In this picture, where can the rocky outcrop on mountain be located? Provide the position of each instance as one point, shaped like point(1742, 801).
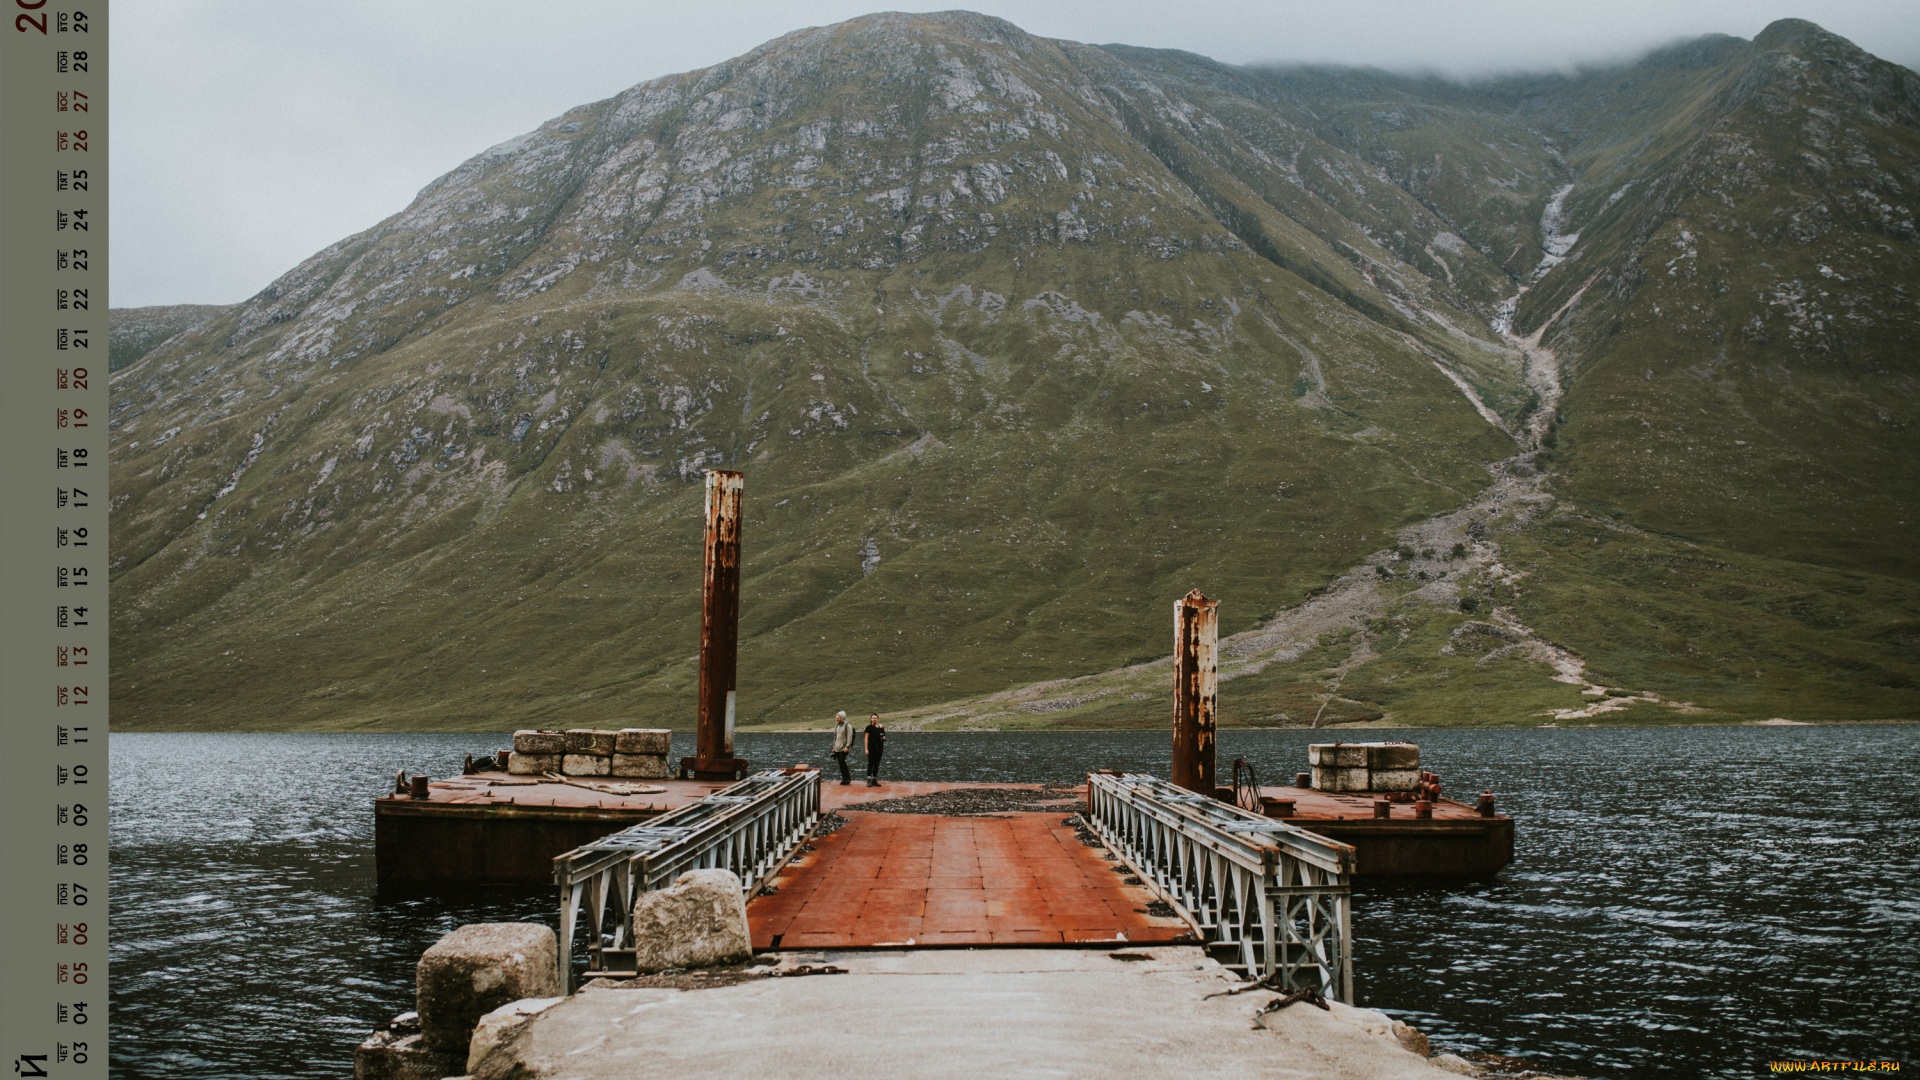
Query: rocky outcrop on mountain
point(1015, 339)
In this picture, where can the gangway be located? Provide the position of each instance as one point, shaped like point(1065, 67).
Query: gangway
point(751, 828)
point(1277, 897)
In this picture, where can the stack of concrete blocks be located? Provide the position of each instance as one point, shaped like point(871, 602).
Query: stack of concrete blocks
point(1378, 766)
point(638, 753)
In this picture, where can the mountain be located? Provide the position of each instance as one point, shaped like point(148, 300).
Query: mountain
point(1546, 399)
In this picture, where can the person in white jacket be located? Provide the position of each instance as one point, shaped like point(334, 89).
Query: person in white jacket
point(842, 744)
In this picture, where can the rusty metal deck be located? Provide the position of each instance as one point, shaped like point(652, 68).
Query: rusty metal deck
point(888, 879)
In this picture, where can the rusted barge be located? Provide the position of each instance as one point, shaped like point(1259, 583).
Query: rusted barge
point(466, 833)
point(1456, 841)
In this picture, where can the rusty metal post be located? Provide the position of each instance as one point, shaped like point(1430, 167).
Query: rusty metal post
point(719, 633)
point(1196, 630)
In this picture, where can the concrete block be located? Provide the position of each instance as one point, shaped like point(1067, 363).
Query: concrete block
point(532, 764)
point(539, 742)
point(1338, 755)
point(1337, 779)
point(475, 970)
point(502, 1024)
point(700, 920)
point(388, 1056)
point(1393, 756)
point(1394, 779)
point(635, 740)
point(586, 765)
point(590, 741)
point(641, 766)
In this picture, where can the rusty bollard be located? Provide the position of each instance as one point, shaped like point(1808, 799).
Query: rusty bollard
point(500, 759)
point(466, 767)
point(1303, 779)
point(419, 787)
point(1276, 808)
point(1382, 808)
point(1423, 809)
point(1486, 803)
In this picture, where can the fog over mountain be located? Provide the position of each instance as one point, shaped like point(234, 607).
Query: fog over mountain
point(1547, 399)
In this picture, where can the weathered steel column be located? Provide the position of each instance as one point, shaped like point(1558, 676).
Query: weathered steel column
point(719, 633)
point(1196, 630)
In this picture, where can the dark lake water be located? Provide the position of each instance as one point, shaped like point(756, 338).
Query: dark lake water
point(1684, 902)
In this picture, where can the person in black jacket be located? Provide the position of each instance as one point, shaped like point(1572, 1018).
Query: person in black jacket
point(876, 744)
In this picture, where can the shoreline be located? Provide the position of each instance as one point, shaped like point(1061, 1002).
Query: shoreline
point(1365, 725)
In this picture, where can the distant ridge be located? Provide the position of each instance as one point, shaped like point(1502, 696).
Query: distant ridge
point(134, 332)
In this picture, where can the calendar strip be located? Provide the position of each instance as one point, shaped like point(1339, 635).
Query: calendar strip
point(53, 535)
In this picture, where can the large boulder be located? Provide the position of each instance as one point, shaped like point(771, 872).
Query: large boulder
point(475, 970)
point(700, 920)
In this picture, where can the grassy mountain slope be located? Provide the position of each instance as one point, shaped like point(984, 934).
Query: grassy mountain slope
point(994, 372)
point(1017, 340)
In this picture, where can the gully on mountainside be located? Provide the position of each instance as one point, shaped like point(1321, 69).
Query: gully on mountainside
point(1354, 602)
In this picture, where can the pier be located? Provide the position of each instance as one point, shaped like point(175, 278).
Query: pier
point(718, 862)
point(1261, 873)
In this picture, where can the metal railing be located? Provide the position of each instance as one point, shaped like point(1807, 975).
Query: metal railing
point(750, 828)
point(1278, 895)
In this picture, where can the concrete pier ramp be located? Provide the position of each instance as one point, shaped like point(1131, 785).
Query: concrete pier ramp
point(1007, 1013)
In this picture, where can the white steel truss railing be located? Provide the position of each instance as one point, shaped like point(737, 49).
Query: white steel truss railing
point(750, 828)
point(1279, 896)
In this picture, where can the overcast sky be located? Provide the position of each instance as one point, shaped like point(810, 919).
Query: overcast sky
point(246, 136)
